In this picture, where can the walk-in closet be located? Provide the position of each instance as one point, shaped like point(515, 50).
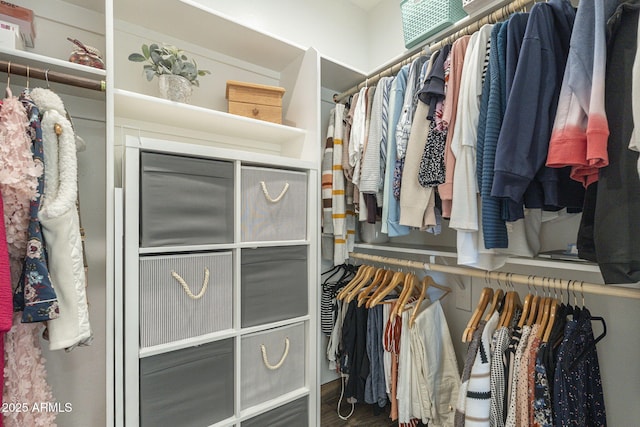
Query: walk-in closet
point(352, 212)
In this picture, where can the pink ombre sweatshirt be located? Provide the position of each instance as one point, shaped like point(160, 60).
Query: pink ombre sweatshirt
point(580, 132)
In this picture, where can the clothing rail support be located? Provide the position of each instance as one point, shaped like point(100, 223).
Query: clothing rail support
point(490, 17)
point(53, 76)
point(561, 284)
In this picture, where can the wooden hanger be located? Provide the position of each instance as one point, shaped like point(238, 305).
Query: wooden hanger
point(472, 325)
point(533, 311)
point(545, 317)
point(552, 319)
point(407, 291)
point(527, 306)
point(496, 304)
point(396, 280)
point(355, 291)
point(378, 280)
point(426, 282)
point(354, 282)
point(513, 302)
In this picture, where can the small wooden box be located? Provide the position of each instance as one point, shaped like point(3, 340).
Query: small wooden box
point(257, 101)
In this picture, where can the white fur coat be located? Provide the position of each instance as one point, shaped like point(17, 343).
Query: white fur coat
point(61, 225)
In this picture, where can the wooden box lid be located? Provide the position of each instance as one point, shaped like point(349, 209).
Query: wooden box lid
point(253, 92)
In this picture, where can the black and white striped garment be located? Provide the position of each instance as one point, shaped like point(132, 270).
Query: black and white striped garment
point(498, 382)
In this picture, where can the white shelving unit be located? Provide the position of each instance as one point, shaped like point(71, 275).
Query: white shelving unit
point(134, 353)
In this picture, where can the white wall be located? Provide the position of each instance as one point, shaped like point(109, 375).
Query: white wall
point(338, 29)
point(385, 37)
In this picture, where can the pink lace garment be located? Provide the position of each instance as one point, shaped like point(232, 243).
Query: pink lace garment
point(25, 376)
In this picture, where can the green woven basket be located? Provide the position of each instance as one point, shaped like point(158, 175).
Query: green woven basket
point(423, 18)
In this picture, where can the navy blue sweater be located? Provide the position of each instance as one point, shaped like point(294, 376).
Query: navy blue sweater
point(531, 107)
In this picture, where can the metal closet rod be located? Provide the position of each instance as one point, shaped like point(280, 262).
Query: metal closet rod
point(490, 18)
point(545, 282)
point(52, 76)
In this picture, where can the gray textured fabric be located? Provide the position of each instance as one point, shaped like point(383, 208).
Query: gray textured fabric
point(293, 414)
point(273, 284)
point(264, 216)
point(185, 201)
point(167, 313)
point(261, 383)
point(189, 387)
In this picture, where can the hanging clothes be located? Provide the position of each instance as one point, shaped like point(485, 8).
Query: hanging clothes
point(609, 228)
point(435, 368)
point(25, 376)
point(417, 72)
point(478, 398)
point(390, 206)
point(34, 295)
point(375, 391)
point(580, 131)
point(449, 112)
point(60, 225)
point(578, 398)
point(470, 358)
point(432, 169)
point(414, 198)
point(465, 212)
point(520, 174)
point(634, 141)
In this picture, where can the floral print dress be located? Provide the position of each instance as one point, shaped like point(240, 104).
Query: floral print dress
point(34, 295)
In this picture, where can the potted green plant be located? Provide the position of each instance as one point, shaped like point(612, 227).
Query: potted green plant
point(177, 74)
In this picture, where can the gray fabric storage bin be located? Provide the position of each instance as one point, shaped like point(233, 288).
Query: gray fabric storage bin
point(265, 215)
point(273, 284)
point(185, 200)
point(293, 414)
point(286, 373)
point(168, 313)
point(189, 387)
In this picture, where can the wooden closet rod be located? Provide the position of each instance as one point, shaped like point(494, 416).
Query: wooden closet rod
point(545, 282)
point(53, 76)
point(497, 15)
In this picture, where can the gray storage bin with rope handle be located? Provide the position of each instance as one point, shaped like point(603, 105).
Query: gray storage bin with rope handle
point(192, 387)
point(273, 284)
point(184, 296)
point(185, 200)
point(274, 204)
point(293, 414)
point(272, 364)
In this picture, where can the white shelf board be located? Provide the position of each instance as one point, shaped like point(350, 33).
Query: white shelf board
point(53, 64)
point(186, 343)
point(187, 248)
point(136, 106)
point(211, 29)
point(266, 326)
point(274, 243)
point(451, 253)
point(43, 62)
point(337, 76)
point(442, 251)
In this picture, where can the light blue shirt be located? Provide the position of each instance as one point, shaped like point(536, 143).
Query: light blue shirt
point(391, 206)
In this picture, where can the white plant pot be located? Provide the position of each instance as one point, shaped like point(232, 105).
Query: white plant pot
point(174, 88)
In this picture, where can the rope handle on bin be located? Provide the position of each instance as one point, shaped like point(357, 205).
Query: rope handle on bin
point(284, 355)
point(185, 286)
point(266, 192)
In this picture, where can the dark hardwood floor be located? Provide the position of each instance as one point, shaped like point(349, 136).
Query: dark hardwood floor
point(363, 414)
